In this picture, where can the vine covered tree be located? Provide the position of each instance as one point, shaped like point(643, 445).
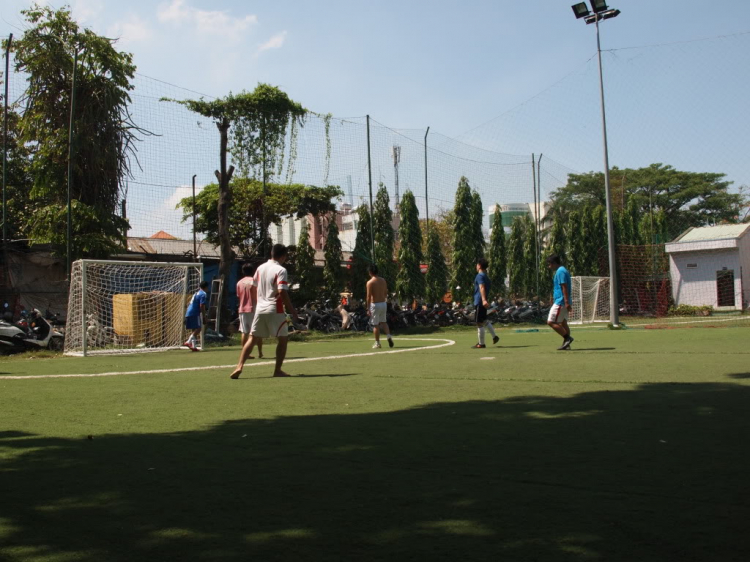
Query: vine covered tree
point(409, 281)
point(464, 244)
point(332, 272)
point(436, 279)
point(477, 218)
point(576, 249)
point(382, 223)
point(516, 272)
point(305, 265)
point(497, 254)
point(104, 133)
point(529, 267)
point(588, 242)
point(362, 257)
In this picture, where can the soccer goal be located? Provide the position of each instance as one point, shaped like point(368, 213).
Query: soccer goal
point(590, 300)
point(128, 307)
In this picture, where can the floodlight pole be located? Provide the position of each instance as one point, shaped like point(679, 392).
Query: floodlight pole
point(71, 134)
point(369, 181)
point(195, 243)
point(614, 307)
point(426, 195)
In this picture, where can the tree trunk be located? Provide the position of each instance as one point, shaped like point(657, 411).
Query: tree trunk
point(227, 255)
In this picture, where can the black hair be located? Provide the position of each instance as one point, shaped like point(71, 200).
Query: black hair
point(482, 263)
point(248, 269)
point(373, 269)
point(278, 251)
point(554, 259)
point(204, 284)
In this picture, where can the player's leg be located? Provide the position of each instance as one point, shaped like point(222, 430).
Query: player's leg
point(280, 355)
point(488, 325)
point(257, 332)
point(387, 330)
point(567, 339)
point(480, 317)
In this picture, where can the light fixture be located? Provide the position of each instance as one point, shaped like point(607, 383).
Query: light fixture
point(581, 10)
point(598, 6)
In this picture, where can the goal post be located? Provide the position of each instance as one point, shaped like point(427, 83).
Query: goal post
point(128, 307)
point(590, 300)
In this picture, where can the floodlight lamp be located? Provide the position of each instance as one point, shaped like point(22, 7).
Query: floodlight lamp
point(580, 10)
point(609, 14)
point(598, 5)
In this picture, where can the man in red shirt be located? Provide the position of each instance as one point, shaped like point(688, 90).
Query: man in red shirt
point(247, 293)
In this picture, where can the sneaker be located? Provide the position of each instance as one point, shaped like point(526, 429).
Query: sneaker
point(495, 339)
point(193, 348)
point(478, 346)
point(189, 345)
point(567, 342)
point(390, 342)
point(376, 345)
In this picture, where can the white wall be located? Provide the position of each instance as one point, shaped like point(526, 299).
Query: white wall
point(744, 247)
point(697, 287)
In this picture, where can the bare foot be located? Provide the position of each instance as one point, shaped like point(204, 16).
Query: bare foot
point(281, 374)
point(260, 356)
point(250, 357)
point(236, 374)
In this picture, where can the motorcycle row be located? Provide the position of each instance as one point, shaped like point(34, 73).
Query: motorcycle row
point(330, 317)
point(32, 331)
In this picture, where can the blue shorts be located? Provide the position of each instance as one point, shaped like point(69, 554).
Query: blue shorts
point(193, 322)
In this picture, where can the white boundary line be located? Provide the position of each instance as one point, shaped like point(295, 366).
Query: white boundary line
point(247, 365)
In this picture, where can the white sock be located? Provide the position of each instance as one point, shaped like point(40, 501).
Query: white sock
point(488, 325)
point(480, 331)
point(388, 336)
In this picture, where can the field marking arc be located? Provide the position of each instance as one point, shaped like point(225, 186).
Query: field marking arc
point(446, 343)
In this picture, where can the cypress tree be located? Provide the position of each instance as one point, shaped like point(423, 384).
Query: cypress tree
point(409, 281)
point(464, 244)
point(362, 257)
point(332, 273)
point(477, 218)
point(515, 258)
point(555, 246)
point(307, 276)
point(633, 213)
point(529, 258)
point(436, 279)
point(497, 257)
point(576, 248)
point(588, 242)
point(382, 224)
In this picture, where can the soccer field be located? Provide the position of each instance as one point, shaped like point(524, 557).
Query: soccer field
point(633, 446)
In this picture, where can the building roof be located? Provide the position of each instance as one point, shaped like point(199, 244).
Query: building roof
point(164, 236)
point(172, 247)
point(719, 232)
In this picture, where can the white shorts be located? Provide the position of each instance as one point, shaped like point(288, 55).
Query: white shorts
point(557, 313)
point(270, 325)
point(377, 313)
point(246, 322)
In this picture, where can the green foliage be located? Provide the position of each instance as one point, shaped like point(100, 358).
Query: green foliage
point(688, 310)
point(477, 217)
point(409, 281)
point(556, 245)
point(436, 278)
point(516, 272)
point(333, 275)
point(362, 257)
point(576, 249)
point(19, 207)
point(633, 214)
point(529, 266)
point(246, 210)
point(104, 133)
point(382, 223)
point(464, 244)
point(442, 224)
point(306, 273)
point(497, 258)
point(588, 242)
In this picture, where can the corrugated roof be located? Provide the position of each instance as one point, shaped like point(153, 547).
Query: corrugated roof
point(719, 232)
point(162, 246)
point(164, 236)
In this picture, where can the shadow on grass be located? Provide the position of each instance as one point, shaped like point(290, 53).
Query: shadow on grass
point(739, 376)
point(656, 473)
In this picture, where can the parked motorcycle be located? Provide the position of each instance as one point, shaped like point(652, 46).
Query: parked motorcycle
point(32, 332)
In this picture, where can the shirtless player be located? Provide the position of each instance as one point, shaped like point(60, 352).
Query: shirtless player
point(377, 292)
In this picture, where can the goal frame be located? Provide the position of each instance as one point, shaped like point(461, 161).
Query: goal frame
point(84, 265)
point(587, 314)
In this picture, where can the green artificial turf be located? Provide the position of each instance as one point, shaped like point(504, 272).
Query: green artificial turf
point(633, 446)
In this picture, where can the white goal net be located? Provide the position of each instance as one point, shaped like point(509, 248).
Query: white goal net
point(127, 307)
point(590, 300)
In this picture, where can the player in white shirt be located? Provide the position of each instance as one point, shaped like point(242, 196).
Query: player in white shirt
point(270, 321)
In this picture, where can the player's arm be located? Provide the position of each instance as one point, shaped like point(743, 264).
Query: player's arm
point(482, 291)
point(286, 299)
point(368, 300)
point(566, 297)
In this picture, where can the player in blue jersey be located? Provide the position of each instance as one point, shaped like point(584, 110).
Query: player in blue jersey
point(561, 308)
point(196, 311)
point(482, 286)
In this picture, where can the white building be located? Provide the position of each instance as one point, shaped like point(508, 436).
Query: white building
point(710, 266)
point(512, 210)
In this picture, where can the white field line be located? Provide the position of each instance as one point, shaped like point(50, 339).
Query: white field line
point(446, 343)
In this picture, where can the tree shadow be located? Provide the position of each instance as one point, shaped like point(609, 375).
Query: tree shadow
point(739, 376)
point(593, 349)
point(656, 473)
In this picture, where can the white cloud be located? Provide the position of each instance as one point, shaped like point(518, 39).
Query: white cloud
point(206, 22)
point(132, 30)
point(86, 11)
point(275, 42)
point(180, 193)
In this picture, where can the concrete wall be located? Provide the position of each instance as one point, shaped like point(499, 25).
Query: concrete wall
point(744, 247)
point(697, 287)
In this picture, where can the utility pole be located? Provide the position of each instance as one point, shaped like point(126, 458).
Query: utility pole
point(396, 155)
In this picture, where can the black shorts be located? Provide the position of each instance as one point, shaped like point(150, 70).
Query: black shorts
point(480, 314)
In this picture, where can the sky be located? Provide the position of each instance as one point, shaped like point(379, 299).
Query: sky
point(491, 78)
point(410, 64)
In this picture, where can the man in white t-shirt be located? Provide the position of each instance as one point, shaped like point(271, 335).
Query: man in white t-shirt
point(272, 286)
point(247, 293)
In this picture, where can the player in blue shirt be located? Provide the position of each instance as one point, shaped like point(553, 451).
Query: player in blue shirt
point(482, 285)
point(196, 310)
point(558, 314)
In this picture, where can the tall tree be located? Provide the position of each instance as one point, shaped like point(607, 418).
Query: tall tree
point(464, 244)
point(362, 257)
point(576, 249)
point(436, 279)
point(409, 281)
point(601, 235)
point(382, 224)
point(633, 213)
point(556, 245)
point(104, 133)
point(588, 241)
point(442, 224)
point(516, 271)
point(305, 265)
point(477, 218)
point(529, 267)
point(332, 272)
point(497, 255)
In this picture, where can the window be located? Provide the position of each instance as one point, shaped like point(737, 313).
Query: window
point(725, 287)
